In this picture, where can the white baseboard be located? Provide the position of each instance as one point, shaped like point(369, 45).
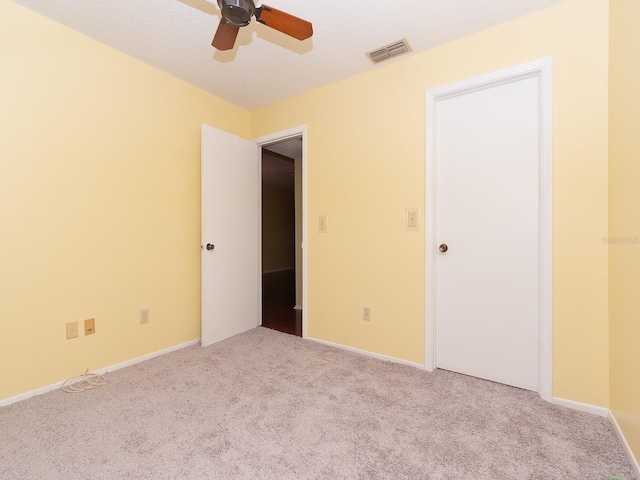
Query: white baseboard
point(625, 444)
point(117, 366)
point(583, 407)
point(603, 412)
point(367, 353)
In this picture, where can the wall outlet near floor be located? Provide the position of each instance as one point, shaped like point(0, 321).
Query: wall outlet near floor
point(144, 316)
point(366, 314)
point(72, 330)
point(90, 326)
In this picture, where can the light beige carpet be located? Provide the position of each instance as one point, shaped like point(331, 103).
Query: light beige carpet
point(266, 405)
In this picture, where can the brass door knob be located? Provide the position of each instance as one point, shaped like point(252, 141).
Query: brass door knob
point(210, 246)
point(443, 248)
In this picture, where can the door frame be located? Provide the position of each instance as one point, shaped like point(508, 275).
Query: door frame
point(276, 137)
point(542, 69)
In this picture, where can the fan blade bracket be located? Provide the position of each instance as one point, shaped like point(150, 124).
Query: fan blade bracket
point(284, 22)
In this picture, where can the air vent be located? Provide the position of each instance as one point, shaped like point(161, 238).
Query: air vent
point(391, 50)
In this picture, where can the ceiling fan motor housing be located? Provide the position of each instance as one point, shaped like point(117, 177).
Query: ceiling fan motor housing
point(237, 12)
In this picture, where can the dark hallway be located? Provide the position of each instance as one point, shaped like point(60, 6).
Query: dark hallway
point(278, 300)
point(281, 237)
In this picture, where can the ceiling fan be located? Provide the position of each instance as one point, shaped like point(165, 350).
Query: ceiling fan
point(238, 13)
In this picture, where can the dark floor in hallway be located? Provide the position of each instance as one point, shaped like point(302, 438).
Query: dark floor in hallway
point(278, 300)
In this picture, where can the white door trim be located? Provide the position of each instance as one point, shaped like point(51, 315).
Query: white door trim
point(542, 69)
point(284, 135)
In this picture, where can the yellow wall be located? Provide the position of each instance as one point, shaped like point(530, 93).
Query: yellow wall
point(624, 218)
point(99, 201)
point(99, 196)
point(366, 153)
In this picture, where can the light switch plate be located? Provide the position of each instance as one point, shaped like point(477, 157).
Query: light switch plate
point(412, 219)
point(322, 223)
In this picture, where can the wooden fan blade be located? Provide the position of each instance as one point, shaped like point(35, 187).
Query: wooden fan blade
point(225, 37)
point(283, 22)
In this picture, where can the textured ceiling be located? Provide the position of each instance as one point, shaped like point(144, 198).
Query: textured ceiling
point(291, 148)
point(267, 66)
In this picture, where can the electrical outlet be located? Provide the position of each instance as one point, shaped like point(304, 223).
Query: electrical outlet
point(72, 330)
point(90, 326)
point(366, 314)
point(144, 316)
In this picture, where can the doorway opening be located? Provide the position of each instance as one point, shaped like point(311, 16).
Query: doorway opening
point(282, 236)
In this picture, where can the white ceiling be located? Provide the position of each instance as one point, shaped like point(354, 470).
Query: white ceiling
point(267, 66)
point(291, 148)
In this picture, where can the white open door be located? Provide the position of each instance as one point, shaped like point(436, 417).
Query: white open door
point(230, 226)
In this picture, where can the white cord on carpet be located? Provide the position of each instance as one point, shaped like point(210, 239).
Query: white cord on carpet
point(86, 381)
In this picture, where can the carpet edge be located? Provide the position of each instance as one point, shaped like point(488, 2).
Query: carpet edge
point(625, 444)
point(367, 353)
point(39, 391)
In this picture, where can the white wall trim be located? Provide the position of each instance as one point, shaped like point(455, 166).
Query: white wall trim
point(102, 371)
point(367, 353)
point(542, 69)
point(583, 407)
point(283, 135)
point(625, 444)
point(602, 412)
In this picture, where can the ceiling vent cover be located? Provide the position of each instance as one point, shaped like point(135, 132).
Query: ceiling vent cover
point(389, 51)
